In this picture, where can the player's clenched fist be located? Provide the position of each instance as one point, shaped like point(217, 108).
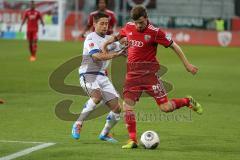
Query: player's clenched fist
point(191, 68)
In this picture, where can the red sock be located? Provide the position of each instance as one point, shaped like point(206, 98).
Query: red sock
point(31, 48)
point(130, 122)
point(34, 49)
point(180, 102)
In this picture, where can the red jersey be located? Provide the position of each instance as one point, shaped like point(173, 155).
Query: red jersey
point(143, 45)
point(112, 20)
point(32, 19)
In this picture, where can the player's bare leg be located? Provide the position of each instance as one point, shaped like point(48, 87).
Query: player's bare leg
point(178, 103)
point(130, 120)
point(31, 49)
point(112, 119)
point(33, 46)
point(89, 106)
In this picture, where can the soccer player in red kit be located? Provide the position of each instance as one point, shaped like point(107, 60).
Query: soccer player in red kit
point(102, 7)
point(142, 67)
point(32, 16)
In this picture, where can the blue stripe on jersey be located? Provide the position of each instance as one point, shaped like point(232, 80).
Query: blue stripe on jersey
point(94, 51)
point(95, 73)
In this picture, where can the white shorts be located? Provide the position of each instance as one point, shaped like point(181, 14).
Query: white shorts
point(90, 82)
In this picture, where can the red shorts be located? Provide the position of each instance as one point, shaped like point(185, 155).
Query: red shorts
point(32, 35)
point(150, 83)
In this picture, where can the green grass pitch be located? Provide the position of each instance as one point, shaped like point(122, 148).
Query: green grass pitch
point(28, 114)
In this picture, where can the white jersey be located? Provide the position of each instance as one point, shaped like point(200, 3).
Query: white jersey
point(93, 44)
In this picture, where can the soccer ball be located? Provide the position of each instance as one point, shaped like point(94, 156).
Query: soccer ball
point(150, 140)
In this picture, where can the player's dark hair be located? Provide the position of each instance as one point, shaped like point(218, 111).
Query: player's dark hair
point(138, 11)
point(100, 15)
point(97, 2)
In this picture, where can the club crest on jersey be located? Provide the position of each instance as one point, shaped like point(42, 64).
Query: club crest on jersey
point(147, 37)
point(91, 45)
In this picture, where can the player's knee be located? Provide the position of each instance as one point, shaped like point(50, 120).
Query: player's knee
point(128, 104)
point(127, 107)
point(96, 96)
point(97, 100)
point(165, 108)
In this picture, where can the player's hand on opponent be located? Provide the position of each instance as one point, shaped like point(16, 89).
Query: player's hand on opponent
point(191, 68)
point(123, 51)
point(124, 43)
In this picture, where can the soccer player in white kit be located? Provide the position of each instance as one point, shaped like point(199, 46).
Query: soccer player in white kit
point(93, 78)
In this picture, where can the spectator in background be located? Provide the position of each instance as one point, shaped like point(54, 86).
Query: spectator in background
point(55, 17)
point(102, 7)
point(47, 18)
point(220, 26)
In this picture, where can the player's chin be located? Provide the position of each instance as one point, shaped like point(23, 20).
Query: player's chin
point(104, 31)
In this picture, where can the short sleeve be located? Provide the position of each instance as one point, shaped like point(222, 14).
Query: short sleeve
point(122, 32)
point(163, 39)
point(92, 47)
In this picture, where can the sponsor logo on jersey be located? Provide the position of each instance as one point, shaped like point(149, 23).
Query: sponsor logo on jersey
point(130, 34)
point(32, 17)
point(136, 43)
point(91, 45)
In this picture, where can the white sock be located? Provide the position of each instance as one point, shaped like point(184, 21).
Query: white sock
point(87, 109)
point(111, 121)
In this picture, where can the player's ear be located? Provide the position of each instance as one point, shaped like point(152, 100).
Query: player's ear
point(146, 18)
point(94, 23)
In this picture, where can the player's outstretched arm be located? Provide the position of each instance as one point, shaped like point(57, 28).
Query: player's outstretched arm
point(104, 57)
point(100, 56)
point(112, 39)
point(189, 67)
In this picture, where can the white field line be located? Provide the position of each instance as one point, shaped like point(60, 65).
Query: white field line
point(5, 141)
point(25, 151)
